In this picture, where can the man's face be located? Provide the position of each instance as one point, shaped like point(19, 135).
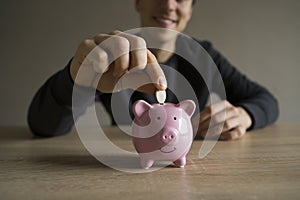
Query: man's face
point(171, 14)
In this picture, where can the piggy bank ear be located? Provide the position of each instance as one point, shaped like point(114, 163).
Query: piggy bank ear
point(189, 106)
point(140, 107)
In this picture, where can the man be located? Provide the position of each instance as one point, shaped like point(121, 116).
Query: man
point(249, 105)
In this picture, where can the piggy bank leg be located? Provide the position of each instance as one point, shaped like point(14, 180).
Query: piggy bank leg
point(145, 163)
point(180, 162)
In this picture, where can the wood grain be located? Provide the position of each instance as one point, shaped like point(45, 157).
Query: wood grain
point(263, 165)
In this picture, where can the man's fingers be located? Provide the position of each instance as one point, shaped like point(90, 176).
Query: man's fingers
point(231, 124)
point(121, 65)
point(138, 50)
point(219, 118)
point(129, 55)
point(222, 127)
point(213, 132)
point(81, 63)
point(234, 134)
point(226, 117)
point(98, 39)
point(136, 81)
point(127, 51)
point(117, 49)
point(84, 48)
point(99, 59)
point(138, 59)
point(155, 72)
point(224, 120)
point(218, 132)
point(213, 109)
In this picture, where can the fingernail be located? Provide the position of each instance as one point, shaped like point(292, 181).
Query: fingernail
point(162, 82)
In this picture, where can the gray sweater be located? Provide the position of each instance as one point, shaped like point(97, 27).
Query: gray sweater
point(50, 112)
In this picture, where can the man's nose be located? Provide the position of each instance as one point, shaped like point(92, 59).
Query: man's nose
point(169, 5)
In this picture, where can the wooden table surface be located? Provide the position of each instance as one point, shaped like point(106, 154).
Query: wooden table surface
point(265, 164)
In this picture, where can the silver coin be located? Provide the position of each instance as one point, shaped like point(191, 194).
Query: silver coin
point(161, 96)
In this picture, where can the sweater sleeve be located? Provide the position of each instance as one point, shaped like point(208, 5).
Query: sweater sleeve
point(260, 104)
point(50, 112)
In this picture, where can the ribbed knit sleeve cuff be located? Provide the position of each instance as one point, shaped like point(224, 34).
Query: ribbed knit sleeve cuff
point(256, 113)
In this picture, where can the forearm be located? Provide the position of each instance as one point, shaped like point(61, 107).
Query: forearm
point(262, 108)
point(50, 112)
point(258, 102)
point(45, 116)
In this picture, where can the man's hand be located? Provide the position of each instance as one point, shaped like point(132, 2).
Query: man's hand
point(224, 119)
point(122, 60)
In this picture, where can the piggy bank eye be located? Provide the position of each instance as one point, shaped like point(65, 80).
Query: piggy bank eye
point(175, 118)
point(158, 118)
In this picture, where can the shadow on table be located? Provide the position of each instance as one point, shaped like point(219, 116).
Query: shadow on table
point(129, 164)
point(15, 133)
point(69, 161)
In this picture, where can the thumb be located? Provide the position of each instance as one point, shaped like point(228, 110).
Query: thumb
point(155, 72)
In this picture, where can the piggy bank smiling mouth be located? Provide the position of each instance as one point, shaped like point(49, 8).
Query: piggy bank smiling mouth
point(167, 149)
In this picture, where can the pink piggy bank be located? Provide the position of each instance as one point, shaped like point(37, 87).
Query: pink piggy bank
point(162, 132)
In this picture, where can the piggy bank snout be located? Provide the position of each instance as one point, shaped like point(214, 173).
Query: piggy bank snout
point(169, 135)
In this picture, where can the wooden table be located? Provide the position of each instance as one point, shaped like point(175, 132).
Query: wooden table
point(265, 164)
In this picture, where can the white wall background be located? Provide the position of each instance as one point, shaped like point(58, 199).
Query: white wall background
point(37, 38)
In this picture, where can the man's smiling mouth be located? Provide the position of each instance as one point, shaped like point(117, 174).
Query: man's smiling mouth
point(165, 22)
